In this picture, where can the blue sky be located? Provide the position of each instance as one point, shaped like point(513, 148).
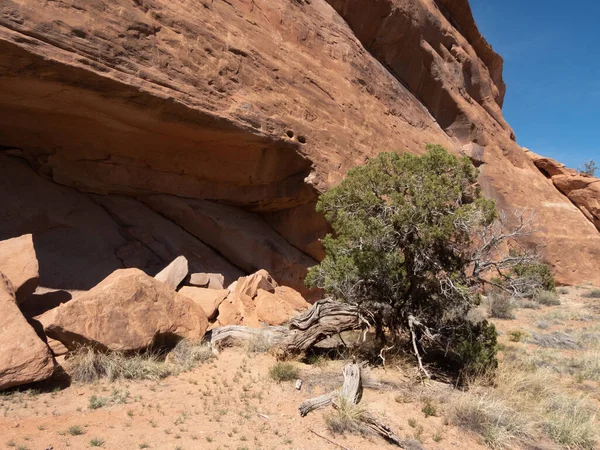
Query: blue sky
point(551, 53)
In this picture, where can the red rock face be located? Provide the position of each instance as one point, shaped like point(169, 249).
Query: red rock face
point(262, 104)
point(582, 190)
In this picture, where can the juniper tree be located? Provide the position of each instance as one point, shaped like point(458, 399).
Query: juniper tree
point(401, 247)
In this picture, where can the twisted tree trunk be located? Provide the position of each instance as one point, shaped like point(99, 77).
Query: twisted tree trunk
point(325, 318)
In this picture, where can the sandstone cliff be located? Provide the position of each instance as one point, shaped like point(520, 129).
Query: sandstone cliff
point(256, 104)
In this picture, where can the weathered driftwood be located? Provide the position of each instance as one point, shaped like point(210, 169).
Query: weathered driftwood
point(232, 334)
point(326, 318)
point(351, 393)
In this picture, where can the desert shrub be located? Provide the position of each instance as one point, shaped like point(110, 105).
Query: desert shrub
point(284, 371)
point(563, 290)
point(528, 304)
point(258, 344)
point(594, 293)
point(517, 335)
point(501, 305)
point(475, 349)
point(533, 277)
point(402, 244)
point(547, 298)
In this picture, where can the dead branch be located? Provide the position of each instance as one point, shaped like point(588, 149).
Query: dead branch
point(232, 334)
point(328, 440)
point(351, 393)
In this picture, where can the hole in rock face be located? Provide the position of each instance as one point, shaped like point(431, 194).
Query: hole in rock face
point(302, 139)
point(289, 133)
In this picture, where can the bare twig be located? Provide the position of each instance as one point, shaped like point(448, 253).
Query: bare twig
point(328, 440)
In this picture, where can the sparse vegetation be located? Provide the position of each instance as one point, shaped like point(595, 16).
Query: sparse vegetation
point(188, 354)
point(284, 371)
point(501, 305)
point(88, 365)
point(97, 442)
point(547, 298)
point(594, 293)
point(76, 430)
point(517, 335)
point(589, 168)
point(345, 418)
point(524, 405)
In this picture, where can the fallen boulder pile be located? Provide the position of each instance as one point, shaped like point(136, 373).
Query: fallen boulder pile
point(129, 311)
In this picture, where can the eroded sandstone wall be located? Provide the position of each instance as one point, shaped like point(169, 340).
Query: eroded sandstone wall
point(262, 104)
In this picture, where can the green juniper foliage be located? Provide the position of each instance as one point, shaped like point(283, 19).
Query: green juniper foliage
point(403, 226)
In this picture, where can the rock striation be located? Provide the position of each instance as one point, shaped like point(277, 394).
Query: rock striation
point(257, 105)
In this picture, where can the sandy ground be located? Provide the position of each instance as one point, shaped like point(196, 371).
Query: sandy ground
point(232, 403)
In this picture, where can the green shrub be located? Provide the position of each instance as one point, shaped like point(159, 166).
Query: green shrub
point(476, 349)
point(517, 335)
point(284, 371)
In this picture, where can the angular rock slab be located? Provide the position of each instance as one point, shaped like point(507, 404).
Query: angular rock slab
point(127, 311)
point(174, 273)
point(24, 358)
point(257, 299)
point(20, 265)
point(207, 280)
point(208, 299)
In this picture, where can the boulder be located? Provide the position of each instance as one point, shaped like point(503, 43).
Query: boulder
point(257, 300)
point(174, 273)
point(207, 280)
point(252, 283)
point(24, 357)
point(19, 263)
point(208, 299)
point(127, 311)
point(279, 307)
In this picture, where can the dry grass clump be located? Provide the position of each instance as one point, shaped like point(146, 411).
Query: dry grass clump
point(284, 371)
point(526, 404)
point(188, 354)
point(346, 418)
point(258, 344)
point(88, 365)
